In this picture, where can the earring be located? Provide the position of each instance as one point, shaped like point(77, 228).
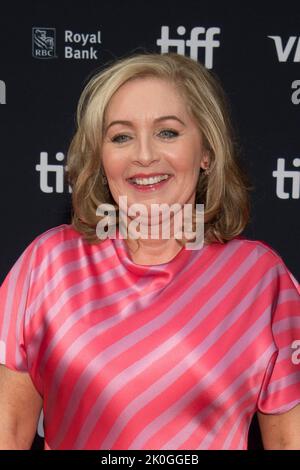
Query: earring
point(103, 176)
point(207, 171)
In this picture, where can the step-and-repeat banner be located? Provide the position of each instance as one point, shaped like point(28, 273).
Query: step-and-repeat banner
point(48, 50)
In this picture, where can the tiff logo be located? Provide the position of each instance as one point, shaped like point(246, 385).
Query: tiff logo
point(44, 168)
point(281, 174)
point(207, 42)
point(284, 51)
point(2, 92)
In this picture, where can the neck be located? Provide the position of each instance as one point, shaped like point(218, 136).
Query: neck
point(153, 250)
point(150, 250)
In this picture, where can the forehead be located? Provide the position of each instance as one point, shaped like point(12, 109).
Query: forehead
point(147, 94)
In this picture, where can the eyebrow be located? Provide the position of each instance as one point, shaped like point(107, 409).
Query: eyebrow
point(129, 123)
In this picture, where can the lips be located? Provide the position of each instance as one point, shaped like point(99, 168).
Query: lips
point(149, 180)
point(155, 183)
point(147, 175)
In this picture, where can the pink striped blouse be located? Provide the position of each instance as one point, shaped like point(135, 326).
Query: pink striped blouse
point(172, 356)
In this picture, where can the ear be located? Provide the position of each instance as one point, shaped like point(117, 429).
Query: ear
point(205, 159)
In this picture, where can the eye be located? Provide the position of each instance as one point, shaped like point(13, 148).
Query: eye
point(168, 134)
point(120, 138)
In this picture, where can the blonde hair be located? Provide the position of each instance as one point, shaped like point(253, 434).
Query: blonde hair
point(224, 192)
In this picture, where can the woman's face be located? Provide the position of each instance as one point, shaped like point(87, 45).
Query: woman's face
point(148, 132)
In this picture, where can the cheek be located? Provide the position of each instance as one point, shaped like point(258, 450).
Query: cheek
point(113, 165)
point(186, 157)
point(186, 162)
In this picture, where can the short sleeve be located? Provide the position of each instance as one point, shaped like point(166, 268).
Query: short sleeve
point(280, 390)
point(14, 293)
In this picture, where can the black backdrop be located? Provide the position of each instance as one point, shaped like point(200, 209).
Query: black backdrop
point(49, 49)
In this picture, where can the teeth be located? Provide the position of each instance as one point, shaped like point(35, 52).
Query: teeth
point(151, 180)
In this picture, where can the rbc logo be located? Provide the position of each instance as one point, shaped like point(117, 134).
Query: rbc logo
point(43, 43)
point(207, 42)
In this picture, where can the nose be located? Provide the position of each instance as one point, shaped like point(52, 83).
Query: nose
point(145, 151)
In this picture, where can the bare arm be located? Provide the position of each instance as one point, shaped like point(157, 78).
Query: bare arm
point(281, 432)
point(20, 407)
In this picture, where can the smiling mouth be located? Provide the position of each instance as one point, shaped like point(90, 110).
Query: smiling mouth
point(149, 180)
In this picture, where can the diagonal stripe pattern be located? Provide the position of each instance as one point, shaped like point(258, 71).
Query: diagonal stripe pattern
point(173, 356)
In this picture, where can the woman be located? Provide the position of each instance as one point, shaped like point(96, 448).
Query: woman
point(146, 344)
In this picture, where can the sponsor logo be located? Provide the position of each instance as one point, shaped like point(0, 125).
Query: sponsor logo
point(291, 49)
point(296, 94)
point(282, 175)
point(2, 92)
point(200, 38)
point(46, 169)
point(43, 43)
point(77, 45)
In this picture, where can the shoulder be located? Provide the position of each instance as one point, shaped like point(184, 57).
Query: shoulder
point(256, 247)
point(46, 244)
point(56, 235)
point(267, 257)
